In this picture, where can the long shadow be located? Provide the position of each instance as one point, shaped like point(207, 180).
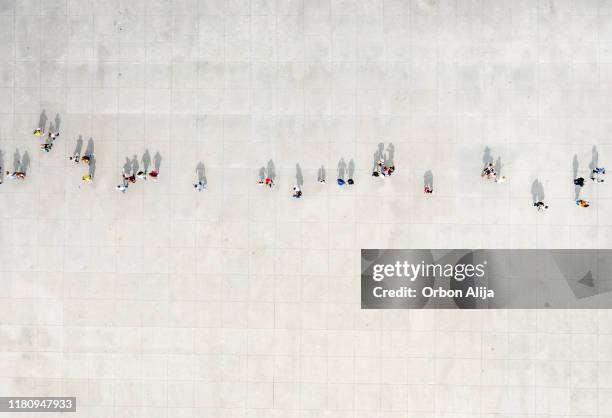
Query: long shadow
point(92, 166)
point(487, 157)
point(428, 179)
point(135, 164)
point(42, 120)
point(378, 154)
point(157, 161)
point(90, 147)
point(262, 173)
point(391, 154)
point(498, 166)
point(146, 161)
point(51, 127)
point(127, 166)
point(594, 158)
point(16, 160)
point(351, 168)
point(58, 122)
point(341, 168)
point(79, 146)
point(271, 170)
point(537, 191)
point(201, 172)
point(299, 177)
point(321, 175)
point(25, 162)
point(575, 166)
point(1, 166)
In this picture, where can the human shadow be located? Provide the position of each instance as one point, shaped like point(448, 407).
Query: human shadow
point(157, 161)
point(42, 120)
point(51, 127)
point(58, 122)
point(1, 166)
point(428, 179)
point(92, 166)
point(391, 154)
point(16, 160)
point(487, 157)
point(262, 173)
point(146, 161)
point(90, 147)
point(79, 146)
point(537, 191)
point(201, 172)
point(351, 169)
point(341, 168)
point(594, 158)
point(575, 166)
point(127, 166)
point(25, 163)
point(498, 166)
point(135, 164)
point(299, 177)
point(321, 175)
point(378, 155)
point(271, 170)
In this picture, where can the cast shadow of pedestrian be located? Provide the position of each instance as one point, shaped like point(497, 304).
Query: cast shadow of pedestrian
point(351, 169)
point(1, 166)
point(498, 166)
point(79, 146)
point(58, 122)
point(135, 165)
point(146, 161)
point(321, 175)
point(487, 157)
point(299, 177)
point(594, 158)
point(271, 170)
point(157, 160)
point(537, 191)
point(201, 172)
point(16, 160)
point(25, 163)
point(90, 147)
point(378, 155)
point(390, 154)
point(127, 166)
point(42, 120)
point(92, 167)
point(428, 179)
point(341, 168)
point(262, 174)
point(575, 166)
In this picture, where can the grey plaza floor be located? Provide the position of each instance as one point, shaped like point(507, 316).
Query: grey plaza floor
point(243, 302)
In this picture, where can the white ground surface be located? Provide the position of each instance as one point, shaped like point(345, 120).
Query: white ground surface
point(242, 302)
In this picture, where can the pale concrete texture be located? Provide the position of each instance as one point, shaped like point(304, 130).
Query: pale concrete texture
point(243, 302)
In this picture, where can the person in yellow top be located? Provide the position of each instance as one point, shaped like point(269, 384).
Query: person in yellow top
point(38, 132)
point(88, 177)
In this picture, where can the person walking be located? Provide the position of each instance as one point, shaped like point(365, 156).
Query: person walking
point(46, 147)
point(154, 174)
point(76, 158)
point(579, 181)
point(200, 186)
point(582, 203)
point(87, 178)
point(540, 206)
point(427, 189)
point(142, 175)
point(297, 192)
point(38, 132)
point(122, 187)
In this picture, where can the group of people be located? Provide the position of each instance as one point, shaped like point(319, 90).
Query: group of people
point(595, 178)
point(131, 178)
point(489, 172)
point(51, 137)
point(85, 159)
point(382, 170)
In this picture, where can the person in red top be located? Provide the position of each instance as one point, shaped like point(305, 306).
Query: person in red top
point(154, 175)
